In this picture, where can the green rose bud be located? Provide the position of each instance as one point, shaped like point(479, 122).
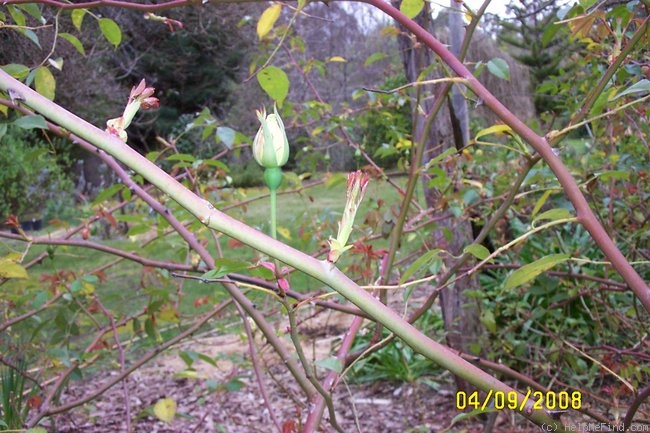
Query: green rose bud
point(270, 147)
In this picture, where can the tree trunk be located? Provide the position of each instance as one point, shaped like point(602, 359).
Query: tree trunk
point(451, 130)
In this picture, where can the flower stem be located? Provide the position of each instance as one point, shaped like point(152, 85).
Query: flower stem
point(274, 221)
point(273, 179)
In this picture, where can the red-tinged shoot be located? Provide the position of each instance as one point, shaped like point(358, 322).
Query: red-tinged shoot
point(141, 97)
point(356, 188)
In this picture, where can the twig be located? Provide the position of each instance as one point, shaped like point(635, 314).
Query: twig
point(309, 370)
point(7, 323)
point(452, 80)
point(316, 412)
point(629, 416)
point(112, 382)
point(122, 360)
point(611, 70)
point(104, 3)
point(584, 213)
point(256, 367)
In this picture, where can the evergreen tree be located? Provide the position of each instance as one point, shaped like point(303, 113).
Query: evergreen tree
point(535, 41)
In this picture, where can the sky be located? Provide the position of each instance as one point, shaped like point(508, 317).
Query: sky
point(497, 7)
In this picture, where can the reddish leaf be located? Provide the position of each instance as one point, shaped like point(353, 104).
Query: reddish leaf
point(283, 285)
point(12, 220)
point(234, 243)
point(34, 402)
point(268, 265)
point(200, 301)
point(289, 426)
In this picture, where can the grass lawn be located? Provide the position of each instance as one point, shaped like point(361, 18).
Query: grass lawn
point(305, 220)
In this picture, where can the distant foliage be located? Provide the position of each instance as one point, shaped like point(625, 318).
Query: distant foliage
point(31, 179)
point(535, 40)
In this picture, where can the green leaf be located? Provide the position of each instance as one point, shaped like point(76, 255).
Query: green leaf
point(207, 359)
point(335, 179)
point(216, 163)
point(186, 157)
point(374, 57)
point(411, 8)
point(268, 19)
point(614, 174)
point(151, 331)
point(532, 270)
point(487, 319)
point(32, 9)
point(15, 70)
point(275, 83)
point(33, 121)
point(111, 31)
point(44, 82)
point(12, 270)
point(139, 229)
point(331, 363)
point(494, 129)
point(17, 15)
point(227, 136)
point(549, 33)
point(78, 17)
point(31, 36)
point(74, 41)
point(262, 272)
point(553, 214)
point(478, 251)
point(423, 261)
point(224, 267)
point(638, 87)
point(540, 202)
point(108, 193)
point(440, 157)
point(499, 68)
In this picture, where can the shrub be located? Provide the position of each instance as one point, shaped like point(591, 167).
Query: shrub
point(31, 179)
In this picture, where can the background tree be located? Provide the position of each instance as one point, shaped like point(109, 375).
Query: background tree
point(534, 38)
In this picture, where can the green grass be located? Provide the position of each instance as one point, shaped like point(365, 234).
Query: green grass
point(307, 219)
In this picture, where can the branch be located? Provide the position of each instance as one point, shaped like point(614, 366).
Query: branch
point(629, 416)
point(256, 367)
point(189, 237)
point(45, 240)
point(596, 91)
point(105, 3)
point(139, 363)
point(321, 270)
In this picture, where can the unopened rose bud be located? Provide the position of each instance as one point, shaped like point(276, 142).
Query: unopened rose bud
point(270, 147)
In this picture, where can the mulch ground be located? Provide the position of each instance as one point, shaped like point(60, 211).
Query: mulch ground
point(378, 407)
